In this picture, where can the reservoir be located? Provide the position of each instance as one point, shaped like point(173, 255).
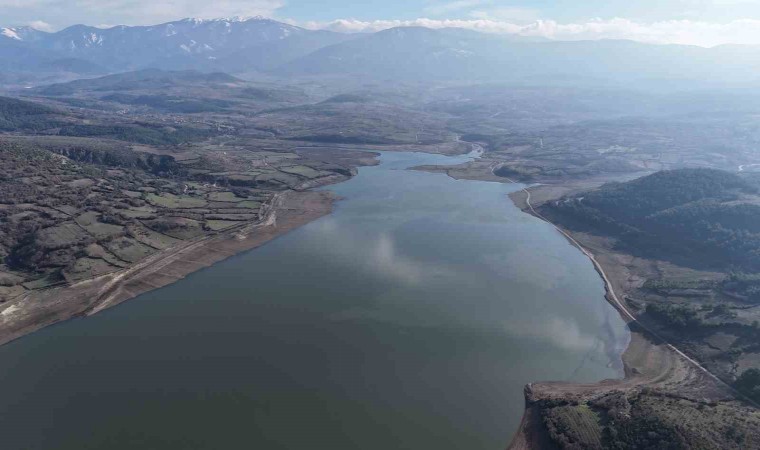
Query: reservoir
point(409, 318)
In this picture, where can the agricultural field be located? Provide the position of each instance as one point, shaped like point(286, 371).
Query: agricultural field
point(99, 175)
point(78, 207)
point(105, 175)
point(67, 221)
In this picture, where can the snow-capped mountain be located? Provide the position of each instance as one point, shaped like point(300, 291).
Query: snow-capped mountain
point(26, 34)
point(187, 43)
point(238, 45)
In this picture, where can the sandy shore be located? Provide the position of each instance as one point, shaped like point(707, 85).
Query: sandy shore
point(39, 309)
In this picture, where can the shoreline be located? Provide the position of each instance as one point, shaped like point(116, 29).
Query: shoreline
point(38, 309)
point(649, 361)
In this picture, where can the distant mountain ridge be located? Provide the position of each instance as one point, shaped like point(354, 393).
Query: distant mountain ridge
point(182, 44)
point(257, 44)
point(417, 53)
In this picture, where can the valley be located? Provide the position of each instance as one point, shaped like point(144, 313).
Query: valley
point(373, 161)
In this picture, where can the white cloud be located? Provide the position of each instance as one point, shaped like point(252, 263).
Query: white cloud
point(355, 26)
point(40, 25)
point(746, 31)
point(687, 32)
point(480, 15)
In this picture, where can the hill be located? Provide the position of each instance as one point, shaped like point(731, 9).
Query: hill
point(699, 217)
point(242, 43)
point(22, 115)
point(141, 79)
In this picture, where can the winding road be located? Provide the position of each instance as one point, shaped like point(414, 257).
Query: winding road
point(612, 296)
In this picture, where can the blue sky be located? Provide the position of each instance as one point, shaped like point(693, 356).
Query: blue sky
point(699, 22)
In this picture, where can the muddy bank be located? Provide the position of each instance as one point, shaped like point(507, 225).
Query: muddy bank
point(650, 363)
point(655, 372)
point(39, 309)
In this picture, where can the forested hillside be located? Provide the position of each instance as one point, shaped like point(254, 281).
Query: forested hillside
point(21, 115)
point(708, 217)
point(696, 233)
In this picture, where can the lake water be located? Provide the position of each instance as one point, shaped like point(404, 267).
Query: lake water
point(410, 318)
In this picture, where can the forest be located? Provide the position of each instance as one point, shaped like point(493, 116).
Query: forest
point(707, 217)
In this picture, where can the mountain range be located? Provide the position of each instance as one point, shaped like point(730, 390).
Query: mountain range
point(233, 44)
point(240, 45)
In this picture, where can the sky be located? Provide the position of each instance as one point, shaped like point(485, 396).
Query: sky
point(696, 22)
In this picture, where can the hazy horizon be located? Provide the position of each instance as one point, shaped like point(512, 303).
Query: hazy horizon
point(689, 22)
point(379, 225)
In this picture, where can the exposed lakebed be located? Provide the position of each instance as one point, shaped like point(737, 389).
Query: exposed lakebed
point(411, 317)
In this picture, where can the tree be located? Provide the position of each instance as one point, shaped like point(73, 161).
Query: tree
point(749, 383)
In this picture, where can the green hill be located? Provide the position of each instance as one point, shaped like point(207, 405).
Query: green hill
point(22, 115)
point(702, 217)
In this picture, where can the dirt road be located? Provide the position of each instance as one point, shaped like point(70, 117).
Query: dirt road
point(649, 360)
point(38, 309)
